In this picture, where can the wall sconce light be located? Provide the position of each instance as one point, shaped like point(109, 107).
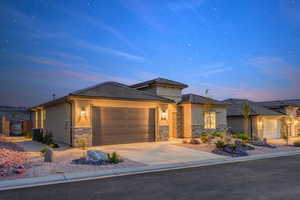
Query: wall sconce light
point(82, 112)
point(163, 115)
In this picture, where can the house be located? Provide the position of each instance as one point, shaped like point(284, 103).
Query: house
point(114, 113)
point(14, 120)
point(267, 120)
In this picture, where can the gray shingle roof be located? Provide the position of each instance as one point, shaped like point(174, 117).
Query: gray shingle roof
point(114, 90)
point(160, 81)
point(236, 108)
point(280, 103)
point(197, 99)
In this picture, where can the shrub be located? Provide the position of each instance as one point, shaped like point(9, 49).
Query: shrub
point(28, 135)
point(204, 138)
point(48, 139)
point(297, 144)
point(37, 135)
point(242, 136)
point(43, 150)
point(54, 145)
point(113, 158)
point(220, 144)
point(217, 134)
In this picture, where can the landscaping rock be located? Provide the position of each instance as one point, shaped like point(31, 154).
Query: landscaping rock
point(49, 155)
point(84, 161)
point(96, 155)
point(262, 144)
point(238, 151)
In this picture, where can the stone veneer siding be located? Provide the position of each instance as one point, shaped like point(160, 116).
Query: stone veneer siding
point(163, 133)
point(80, 134)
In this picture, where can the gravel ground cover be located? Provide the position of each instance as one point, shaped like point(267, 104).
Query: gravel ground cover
point(36, 167)
point(257, 151)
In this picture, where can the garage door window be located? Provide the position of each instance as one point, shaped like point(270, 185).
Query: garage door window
point(210, 120)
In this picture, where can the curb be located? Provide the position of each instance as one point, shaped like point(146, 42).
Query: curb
point(75, 177)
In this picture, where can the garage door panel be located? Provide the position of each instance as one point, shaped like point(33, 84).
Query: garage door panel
point(123, 125)
point(271, 128)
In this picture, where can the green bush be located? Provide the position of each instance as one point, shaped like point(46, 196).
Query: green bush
point(297, 144)
point(217, 134)
point(113, 158)
point(28, 135)
point(43, 150)
point(242, 136)
point(220, 144)
point(204, 138)
point(48, 139)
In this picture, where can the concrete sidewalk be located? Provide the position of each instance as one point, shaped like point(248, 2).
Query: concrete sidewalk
point(73, 177)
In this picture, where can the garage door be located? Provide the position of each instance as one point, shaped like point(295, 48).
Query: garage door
point(271, 129)
point(123, 125)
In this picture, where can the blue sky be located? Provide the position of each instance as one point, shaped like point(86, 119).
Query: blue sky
point(240, 48)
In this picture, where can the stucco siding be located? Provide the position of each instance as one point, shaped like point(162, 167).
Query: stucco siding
point(57, 122)
point(168, 92)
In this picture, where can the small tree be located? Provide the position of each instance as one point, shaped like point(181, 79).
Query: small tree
point(207, 107)
point(285, 129)
point(246, 114)
point(83, 146)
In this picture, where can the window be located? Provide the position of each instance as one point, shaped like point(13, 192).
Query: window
point(210, 120)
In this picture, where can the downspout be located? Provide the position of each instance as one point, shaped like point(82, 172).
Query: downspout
point(71, 122)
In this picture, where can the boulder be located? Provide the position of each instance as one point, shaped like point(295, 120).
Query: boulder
point(49, 155)
point(96, 155)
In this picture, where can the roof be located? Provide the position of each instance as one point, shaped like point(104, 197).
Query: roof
point(197, 99)
point(114, 90)
point(110, 90)
point(235, 108)
point(159, 81)
point(280, 103)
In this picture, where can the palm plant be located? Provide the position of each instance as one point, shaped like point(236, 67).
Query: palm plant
point(246, 114)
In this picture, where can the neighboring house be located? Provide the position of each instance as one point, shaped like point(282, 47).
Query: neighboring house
point(267, 120)
point(14, 120)
point(114, 113)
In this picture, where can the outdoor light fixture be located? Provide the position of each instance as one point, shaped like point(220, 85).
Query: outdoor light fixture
point(163, 115)
point(82, 112)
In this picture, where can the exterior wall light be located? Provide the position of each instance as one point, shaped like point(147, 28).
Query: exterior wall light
point(82, 113)
point(163, 115)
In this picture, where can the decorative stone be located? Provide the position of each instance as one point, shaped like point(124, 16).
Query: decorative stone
point(262, 144)
point(49, 155)
point(96, 155)
point(163, 133)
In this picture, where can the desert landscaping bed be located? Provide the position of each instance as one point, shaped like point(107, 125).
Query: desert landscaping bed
point(62, 163)
point(257, 151)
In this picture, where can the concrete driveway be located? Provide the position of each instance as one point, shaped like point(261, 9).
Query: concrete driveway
point(159, 153)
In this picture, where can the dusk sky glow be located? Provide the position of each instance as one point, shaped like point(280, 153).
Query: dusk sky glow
point(236, 49)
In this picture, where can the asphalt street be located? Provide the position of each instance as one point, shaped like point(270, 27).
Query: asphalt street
point(276, 178)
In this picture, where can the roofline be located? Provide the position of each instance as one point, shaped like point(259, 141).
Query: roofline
point(66, 98)
point(128, 99)
point(151, 82)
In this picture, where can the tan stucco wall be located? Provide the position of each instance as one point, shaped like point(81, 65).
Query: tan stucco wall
point(198, 115)
point(58, 122)
point(187, 121)
point(169, 92)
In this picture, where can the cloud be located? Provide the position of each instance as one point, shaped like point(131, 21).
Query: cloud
point(97, 49)
point(68, 56)
point(49, 61)
point(214, 68)
point(101, 25)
